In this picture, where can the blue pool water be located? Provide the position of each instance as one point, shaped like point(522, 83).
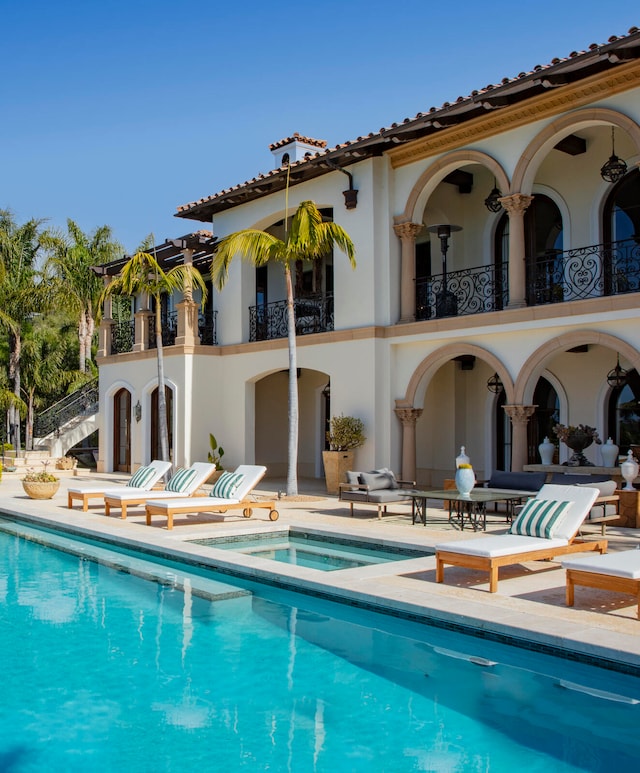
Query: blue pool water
point(103, 669)
point(310, 550)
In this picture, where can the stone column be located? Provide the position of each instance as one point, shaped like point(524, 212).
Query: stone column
point(408, 418)
point(407, 233)
point(516, 205)
point(143, 321)
point(104, 329)
point(187, 333)
point(519, 415)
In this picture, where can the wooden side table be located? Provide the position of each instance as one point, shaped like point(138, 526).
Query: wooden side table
point(629, 508)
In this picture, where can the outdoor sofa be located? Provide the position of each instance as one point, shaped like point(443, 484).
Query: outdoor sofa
point(379, 488)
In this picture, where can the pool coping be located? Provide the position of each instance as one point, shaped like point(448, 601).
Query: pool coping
point(389, 588)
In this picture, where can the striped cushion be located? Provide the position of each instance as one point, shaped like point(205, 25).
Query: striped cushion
point(181, 480)
point(141, 477)
point(540, 518)
point(227, 485)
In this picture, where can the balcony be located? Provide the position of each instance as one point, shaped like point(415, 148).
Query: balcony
point(314, 314)
point(122, 336)
point(207, 328)
point(587, 272)
point(470, 291)
point(555, 277)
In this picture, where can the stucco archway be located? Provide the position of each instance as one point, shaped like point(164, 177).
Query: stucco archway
point(431, 177)
point(535, 364)
point(530, 159)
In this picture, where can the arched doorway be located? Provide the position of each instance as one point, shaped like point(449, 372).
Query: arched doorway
point(546, 416)
point(156, 450)
point(543, 250)
point(621, 229)
point(122, 431)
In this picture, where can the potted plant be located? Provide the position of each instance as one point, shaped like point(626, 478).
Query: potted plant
point(40, 485)
point(345, 434)
point(215, 456)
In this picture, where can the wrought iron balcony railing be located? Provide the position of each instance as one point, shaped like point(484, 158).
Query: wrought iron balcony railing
point(586, 272)
point(314, 314)
point(82, 402)
point(207, 328)
point(469, 291)
point(122, 336)
point(169, 330)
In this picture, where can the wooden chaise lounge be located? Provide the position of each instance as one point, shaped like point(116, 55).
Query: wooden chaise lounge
point(618, 572)
point(224, 497)
point(490, 553)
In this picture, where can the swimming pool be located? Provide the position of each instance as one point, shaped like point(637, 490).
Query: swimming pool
point(106, 669)
point(324, 552)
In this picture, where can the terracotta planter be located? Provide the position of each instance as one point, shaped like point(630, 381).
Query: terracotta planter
point(214, 476)
point(38, 490)
point(336, 463)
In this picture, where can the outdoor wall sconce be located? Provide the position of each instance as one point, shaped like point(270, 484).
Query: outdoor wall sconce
point(615, 168)
point(137, 411)
point(618, 376)
point(492, 202)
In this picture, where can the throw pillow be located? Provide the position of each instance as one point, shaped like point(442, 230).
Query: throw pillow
point(227, 485)
point(353, 478)
point(181, 480)
point(375, 480)
point(540, 518)
point(141, 477)
point(607, 488)
point(393, 483)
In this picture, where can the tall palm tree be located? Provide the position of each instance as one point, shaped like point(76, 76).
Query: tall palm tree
point(73, 257)
point(23, 293)
point(308, 238)
point(142, 274)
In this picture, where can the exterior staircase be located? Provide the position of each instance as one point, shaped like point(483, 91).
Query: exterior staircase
point(67, 422)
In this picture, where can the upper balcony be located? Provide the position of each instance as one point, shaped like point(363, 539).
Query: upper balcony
point(555, 277)
point(313, 314)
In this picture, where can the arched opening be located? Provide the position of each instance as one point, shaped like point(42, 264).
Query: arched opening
point(122, 430)
point(272, 422)
point(546, 416)
point(543, 250)
point(621, 228)
point(156, 450)
point(624, 413)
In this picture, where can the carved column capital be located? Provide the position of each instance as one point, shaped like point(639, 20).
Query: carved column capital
point(408, 416)
point(516, 203)
point(520, 414)
point(408, 230)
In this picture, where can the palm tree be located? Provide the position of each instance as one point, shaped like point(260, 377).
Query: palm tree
point(308, 238)
point(23, 293)
point(142, 274)
point(73, 259)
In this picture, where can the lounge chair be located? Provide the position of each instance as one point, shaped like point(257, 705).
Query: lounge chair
point(183, 483)
point(143, 479)
point(618, 572)
point(230, 492)
point(555, 526)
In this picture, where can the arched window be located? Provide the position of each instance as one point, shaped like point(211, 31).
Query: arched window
point(624, 413)
point(546, 416)
point(621, 229)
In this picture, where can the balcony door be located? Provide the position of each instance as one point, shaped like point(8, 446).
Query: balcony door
point(543, 248)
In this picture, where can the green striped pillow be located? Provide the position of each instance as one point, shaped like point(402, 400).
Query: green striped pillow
point(227, 485)
point(141, 477)
point(181, 480)
point(540, 518)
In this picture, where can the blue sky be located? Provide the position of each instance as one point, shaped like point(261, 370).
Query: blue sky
point(118, 112)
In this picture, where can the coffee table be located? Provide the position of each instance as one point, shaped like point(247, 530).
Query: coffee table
point(468, 509)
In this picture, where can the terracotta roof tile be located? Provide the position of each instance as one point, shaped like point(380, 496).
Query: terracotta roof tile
point(295, 137)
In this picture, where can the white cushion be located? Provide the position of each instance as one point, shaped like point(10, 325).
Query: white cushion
point(607, 488)
point(500, 545)
point(582, 498)
point(623, 564)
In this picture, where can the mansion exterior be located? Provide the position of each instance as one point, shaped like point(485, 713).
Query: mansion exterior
point(496, 292)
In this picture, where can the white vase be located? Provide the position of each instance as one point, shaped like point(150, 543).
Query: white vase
point(462, 458)
point(465, 481)
point(629, 469)
point(546, 450)
point(609, 451)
